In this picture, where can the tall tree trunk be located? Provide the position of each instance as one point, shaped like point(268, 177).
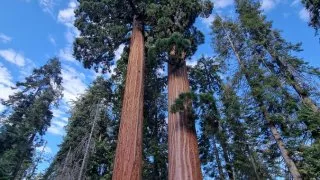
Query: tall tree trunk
point(253, 162)
point(293, 80)
point(18, 171)
point(224, 147)
point(284, 153)
point(128, 158)
point(86, 153)
point(184, 161)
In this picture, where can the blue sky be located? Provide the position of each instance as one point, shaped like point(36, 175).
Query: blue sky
point(32, 31)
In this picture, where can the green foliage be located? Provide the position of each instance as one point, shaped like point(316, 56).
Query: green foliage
point(28, 118)
point(155, 151)
point(68, 160)
point(313, 6)
point(174, 36)
point(310, 168)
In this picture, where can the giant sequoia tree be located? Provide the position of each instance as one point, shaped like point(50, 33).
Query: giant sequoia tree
point(104, 27)
point(28, 118)
point(176, 40)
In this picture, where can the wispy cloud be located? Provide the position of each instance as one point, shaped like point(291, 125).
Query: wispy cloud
point(5, 84)
point(73, 83)
point(269, 4)
point(295, 3)
point(222, 3)
point(208, 21)
point(45, 149)
point(304, 15)
point(52, 40)
point(4, 38)
point(13, 57)
point(47, 5)
point(67, 17)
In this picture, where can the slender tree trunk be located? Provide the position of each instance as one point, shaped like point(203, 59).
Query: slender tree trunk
point(284, 152)
point(63, 172)
point(216, 154)
point(253, 163)
point(86, 153)
point(184, 161)
point(18, 171)
point(288, 160)
point(293, 80)
point(128, 158)
point(226, 154)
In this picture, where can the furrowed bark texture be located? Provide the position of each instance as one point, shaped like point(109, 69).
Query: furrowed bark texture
point(128, 159)
point(184, 162)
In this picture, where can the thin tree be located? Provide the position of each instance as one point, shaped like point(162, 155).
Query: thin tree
point(235, 48)
point(28, 119)
point(262, 33)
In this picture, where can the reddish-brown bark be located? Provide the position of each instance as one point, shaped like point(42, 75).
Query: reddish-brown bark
point(184, 162)
point(128, 159)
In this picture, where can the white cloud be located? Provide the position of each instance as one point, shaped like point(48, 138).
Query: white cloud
point(45, 149)
point(222, 3)
point(52, 40)
point(56, 130)
point(295, 3)
point(57, 127)
point(208, 21)
point(47, 5)
point(12, 56)
point(119, 52)
point(73, 83)
point(4, 38)
point(66, 54)
point(5, 85)
point(269, 4)
point(57, 113)
point(304, 15)
point(67, 16)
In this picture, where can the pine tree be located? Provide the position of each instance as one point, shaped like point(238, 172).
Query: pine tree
point(223, 125)
point(91, 154)
point(259, 81)
point(291, 67)
point(28, 118)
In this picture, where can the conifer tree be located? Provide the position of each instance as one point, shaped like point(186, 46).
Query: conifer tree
point(261, 32)
point(259, 81)
point(104, 27)
point(29, 116)
point(176, 40)
point(91, 154)
point(155, 128)
point(226, 129)
point(313, 7)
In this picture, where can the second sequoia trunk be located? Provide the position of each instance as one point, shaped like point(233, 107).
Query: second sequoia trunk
point(128, 160)
point(184, 162)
